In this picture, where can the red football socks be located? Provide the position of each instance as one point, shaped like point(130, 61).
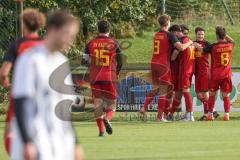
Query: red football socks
point(188, 101)
point(161, 105)
point(227, 104)
point(205, 107)
point(150, 96)
point(211, 103)
point(175, 106)
point(109, 114)
point(100, 124)
point(167, 106)
point(7, 141)
point(168, 103)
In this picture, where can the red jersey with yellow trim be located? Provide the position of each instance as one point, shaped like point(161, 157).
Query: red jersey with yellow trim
point(19, 47)
point(221, 59)
point(187, 58)
point(103, 64)
point(16, 49)
point(202, 59)
point(163, 45)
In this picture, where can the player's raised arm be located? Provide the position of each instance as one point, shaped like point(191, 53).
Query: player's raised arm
point(207, 49)
point(182, 47)
point(229, 39)
point(174, 55)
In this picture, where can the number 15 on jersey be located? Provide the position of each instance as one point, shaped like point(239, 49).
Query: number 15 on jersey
point(102, 59)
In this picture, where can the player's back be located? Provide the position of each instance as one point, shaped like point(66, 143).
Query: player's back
point(221, 59)
point(27, 42)
point(19, 46)
point(162, 48)
point(16, 49)
point(103, 63)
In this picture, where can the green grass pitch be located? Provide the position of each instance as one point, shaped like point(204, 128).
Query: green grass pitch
point(136, 140)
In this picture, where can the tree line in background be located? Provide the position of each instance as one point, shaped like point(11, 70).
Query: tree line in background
point(126, 16)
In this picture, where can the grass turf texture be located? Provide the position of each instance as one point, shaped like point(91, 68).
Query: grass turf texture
point(135, 140)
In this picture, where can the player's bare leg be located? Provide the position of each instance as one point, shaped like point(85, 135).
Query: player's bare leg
point(110, 111)
point(227, 105)
point(189, 105)
point(98, 113)
point(79, 104)
point(176, 103)
point(88, 100)
point(203, 97)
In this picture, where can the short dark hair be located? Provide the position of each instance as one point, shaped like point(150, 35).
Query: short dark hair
point(164, 19)
point(58, 18)
point(33, 19)
point(199, 29)
point(175, 28)
point(221, 32)
point(104, 26)
point(184, 27)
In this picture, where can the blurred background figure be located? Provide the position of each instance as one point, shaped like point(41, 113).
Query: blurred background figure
point(38, 133)
point(33, 21)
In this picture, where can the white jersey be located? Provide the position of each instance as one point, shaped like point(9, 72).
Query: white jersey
point(53, 138)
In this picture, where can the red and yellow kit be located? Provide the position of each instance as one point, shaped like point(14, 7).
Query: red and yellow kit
point(160, 62)
point(221, 60)
point(186, 66)
point(17, 48)
point(202, 70)
point(103, 51)
point(175, 69)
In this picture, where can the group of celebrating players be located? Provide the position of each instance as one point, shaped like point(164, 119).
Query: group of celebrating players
point(174, 61)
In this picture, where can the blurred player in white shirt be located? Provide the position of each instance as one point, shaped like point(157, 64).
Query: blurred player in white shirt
point(38, 133)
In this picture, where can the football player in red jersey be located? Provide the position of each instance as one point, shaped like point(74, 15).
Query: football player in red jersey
point(186, 70)
point(105, 58)
point(221, 74)
point(182, 66)
point(185, 31)
point(175, 62)
point(164, 42)
point(33, 21)
point(202, 72)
